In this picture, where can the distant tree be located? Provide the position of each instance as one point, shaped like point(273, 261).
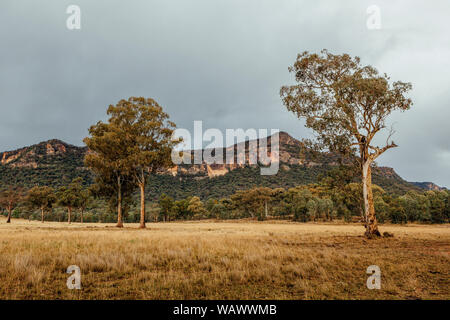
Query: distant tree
point(218, 210)
point(346, 104)
point(9, 199)
point(70, 196)
point(181, 208)
point(196, 208)
point(353, 199)
point(210, 203)
point(154, 211)
point(277, 202)
point(66, 199)
point(437, 200)
point(167, 206)
point(335, 182)
point(397, 212)
point(417, 206)
point(84, 199)
point(223, 208)
point(338, 177)
point(423, 208)
point(447, 205)
point(312, 208)
point(41, 198)
point(381, 208)
point(255, 201)
point(108, 158)
point(240, 203)
point(325, 208)
point(295, 202)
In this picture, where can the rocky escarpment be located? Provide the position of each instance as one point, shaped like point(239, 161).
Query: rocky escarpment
point(51, 162)
point(56, 163)
point(290, 152)
point(428, 186)
point(19, 158)
point(37, 155)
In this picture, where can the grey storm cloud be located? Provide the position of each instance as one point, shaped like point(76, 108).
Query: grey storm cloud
point(220, 61)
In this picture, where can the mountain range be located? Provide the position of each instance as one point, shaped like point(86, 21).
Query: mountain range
point(56, 163)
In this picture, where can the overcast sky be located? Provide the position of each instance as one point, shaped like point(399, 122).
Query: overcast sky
point(220, 61)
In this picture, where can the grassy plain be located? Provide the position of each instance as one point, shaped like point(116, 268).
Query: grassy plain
point(222, 260)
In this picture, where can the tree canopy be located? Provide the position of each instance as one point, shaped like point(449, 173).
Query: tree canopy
point(346, 105)
point(135, 142)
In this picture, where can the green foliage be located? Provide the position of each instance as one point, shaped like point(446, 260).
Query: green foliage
point(34, 166)
point(70, 196)
point(134, 142)
point(196, 208)
point(313, 202)
point(181, 209)
point(42, 198)
point(438, 206)
point(346, 105)
point(167, 206)
point(255, 202)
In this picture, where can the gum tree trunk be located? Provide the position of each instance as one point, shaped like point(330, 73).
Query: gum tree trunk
point(9, 215)
point(265, 209)
point(81, 215)
point(42, 215)
point(119, 205)
point(142, 188)
point(369, 209)
point(69, 210)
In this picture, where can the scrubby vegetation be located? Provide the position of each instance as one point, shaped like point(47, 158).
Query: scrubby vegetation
point(313, 202)
point(35, 166)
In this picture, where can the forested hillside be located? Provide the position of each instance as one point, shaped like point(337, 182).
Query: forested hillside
point(56, 163)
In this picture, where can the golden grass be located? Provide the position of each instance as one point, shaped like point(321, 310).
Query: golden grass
point(221, 260)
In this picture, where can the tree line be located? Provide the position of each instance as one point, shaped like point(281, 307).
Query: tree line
point(75, 196)
point(313, 202)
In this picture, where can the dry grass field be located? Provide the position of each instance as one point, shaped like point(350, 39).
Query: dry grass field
point(222, 260)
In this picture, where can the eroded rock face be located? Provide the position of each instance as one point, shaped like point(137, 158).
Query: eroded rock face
point(9, 157)
point(50, 149)
point(173, 171)
point(55, 148)
point(29, 157)
point(55, 155)
point(291, 152)
point(19, 158)
point(216, 170)
point(288, 153)
point(202, 171)
point(429, 186)
point(22, 163)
